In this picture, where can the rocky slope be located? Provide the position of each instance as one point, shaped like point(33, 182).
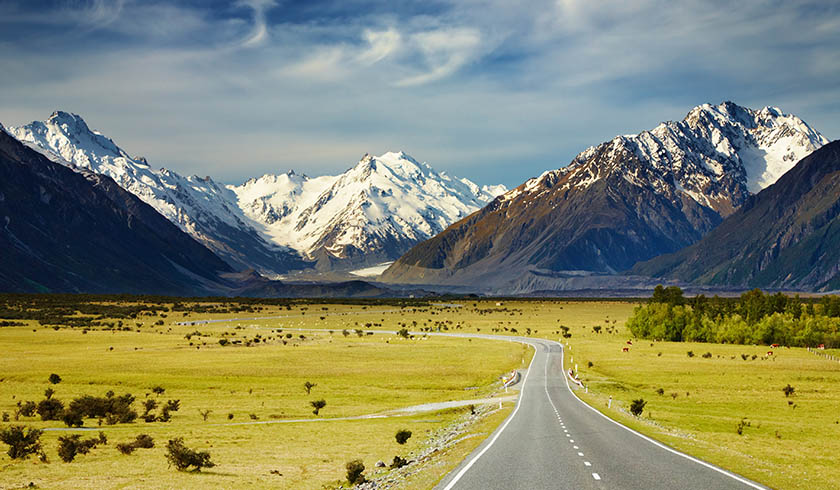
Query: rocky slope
point(78, 231)
point(623, 201)
point(279, 223)
point(787, 236)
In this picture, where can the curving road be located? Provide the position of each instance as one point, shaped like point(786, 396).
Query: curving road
point(554, 440)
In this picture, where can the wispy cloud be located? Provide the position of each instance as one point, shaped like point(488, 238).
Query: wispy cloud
point(259, 34)
point(238, 88)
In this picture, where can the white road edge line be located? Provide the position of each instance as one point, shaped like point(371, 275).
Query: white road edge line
point(653, 441)
point(463, 471)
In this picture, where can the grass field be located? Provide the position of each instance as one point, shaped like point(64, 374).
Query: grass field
point(785, 442)
point(262, 383)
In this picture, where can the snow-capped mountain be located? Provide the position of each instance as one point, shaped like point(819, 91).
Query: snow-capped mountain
point(628, 199)
point(279, 223)
point(199, 206)
point(372, 213)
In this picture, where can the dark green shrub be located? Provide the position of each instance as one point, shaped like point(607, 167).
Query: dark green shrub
point(318, 405)
point(26, 409)
point(402, 436)
point(308, 386)
point(22, 441)
point(788, 390)
point(50, 409)
point(72, 418)
point(183, 457)
point(355, 472)
point(398, 462)
point(637, 406)
point(72, 445)
point(54, 379)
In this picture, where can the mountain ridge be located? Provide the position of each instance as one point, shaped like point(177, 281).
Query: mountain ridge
point(626, 200)
point(245, 229)
point(787, 236)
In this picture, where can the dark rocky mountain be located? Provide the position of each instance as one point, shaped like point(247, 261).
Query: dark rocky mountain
point(787, 236)
point(76, 231)
point(627, 200)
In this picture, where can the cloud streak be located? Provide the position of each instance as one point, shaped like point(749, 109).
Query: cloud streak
point(481, 88)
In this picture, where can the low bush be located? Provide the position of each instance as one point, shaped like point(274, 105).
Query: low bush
point(355, 472)
point(183, 457)
point(402, 436)
point(637, 406)
point(22, 441)
point(72, 445)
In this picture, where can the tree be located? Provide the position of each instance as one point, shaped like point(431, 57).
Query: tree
point(318, 405)
point(55, 379)
point(183, 457)
point(205, 414)
point(22, 441)
point(402, 436)
point(355, 470)
point(637, 406)
point(308, 386)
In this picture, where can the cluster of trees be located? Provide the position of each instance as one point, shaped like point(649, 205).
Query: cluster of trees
point(754, 318)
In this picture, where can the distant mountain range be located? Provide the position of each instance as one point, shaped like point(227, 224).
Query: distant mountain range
point(626, 200)
point(275, 224)
point(716, 200)
point(785, 237)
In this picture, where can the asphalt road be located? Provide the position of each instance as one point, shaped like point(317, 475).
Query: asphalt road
point(553, 440)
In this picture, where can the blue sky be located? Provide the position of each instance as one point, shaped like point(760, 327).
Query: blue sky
point(495, 91)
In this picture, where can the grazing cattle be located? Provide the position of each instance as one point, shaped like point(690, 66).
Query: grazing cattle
point(769, 352)
point(629, 342)
point(774, 345)
point(626, 349)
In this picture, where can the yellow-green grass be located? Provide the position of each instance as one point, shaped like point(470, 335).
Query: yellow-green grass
point(786, 442)
point(721, 390)
point(355, 375)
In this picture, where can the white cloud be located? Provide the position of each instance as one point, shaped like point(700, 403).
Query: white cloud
point(444, 51)
point(259, 34)
point(381, 44)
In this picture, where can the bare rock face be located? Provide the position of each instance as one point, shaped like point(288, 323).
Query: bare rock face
point(787, 236)
point(626, 200)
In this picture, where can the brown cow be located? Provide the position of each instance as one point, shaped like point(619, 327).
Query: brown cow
point(626, 349)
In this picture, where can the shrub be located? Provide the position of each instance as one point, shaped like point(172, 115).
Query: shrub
point(398, 462)
point(318, 405)
point(22, 441)
point(660, 391)
point(27, 409)
point(403, 436)
point(403, 332)
point(158, 390)
point(637, 406)
point(355, 472)
point(72, 418)
point(707, 355)
point(739, 429)
point(143, 441)
point(183, 457)
point(50, 409)
point(788, 390)
point(308, 386)
point(745, 356)
point(126, 447)
point(54, 379)
point(690, 353)
point(205, 414)
point(70, 446)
